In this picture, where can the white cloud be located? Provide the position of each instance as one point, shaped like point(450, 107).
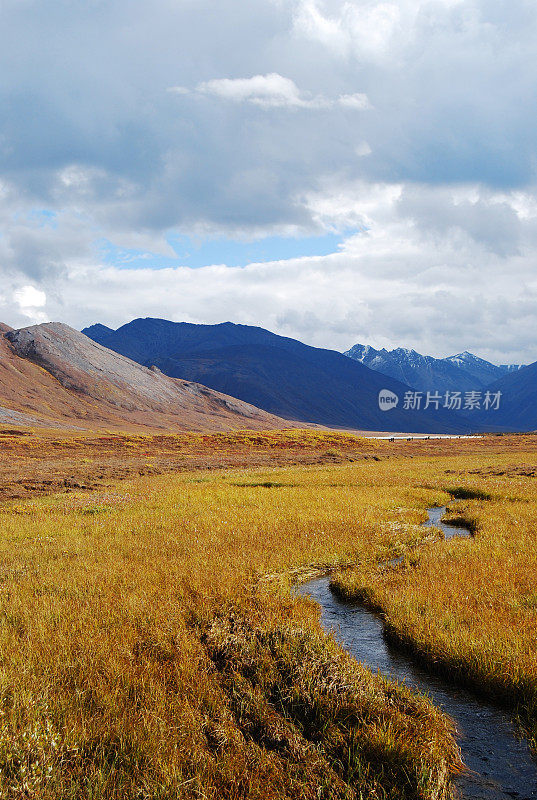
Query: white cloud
point(357, 100)
point(273, 135)
point(431, 269)
point(365, 29)
point(309, 21)
point(272, 91)
point(30, 301)
point(363, 149)
point(30, 297)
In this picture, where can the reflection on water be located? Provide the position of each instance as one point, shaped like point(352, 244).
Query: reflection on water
point(499, 759)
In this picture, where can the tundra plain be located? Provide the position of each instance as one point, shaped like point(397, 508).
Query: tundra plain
point(150, 643)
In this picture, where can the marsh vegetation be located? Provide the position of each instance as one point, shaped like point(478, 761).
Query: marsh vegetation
point(151, 647)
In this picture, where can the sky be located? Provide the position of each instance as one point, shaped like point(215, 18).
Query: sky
point(338, 171)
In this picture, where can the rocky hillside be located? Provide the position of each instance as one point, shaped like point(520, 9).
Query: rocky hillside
point(53, 375)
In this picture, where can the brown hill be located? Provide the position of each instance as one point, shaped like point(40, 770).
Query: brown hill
point(52, 375)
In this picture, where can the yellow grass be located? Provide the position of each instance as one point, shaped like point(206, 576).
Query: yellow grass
point(469, 606)
point(145, 654)
point(284, 437)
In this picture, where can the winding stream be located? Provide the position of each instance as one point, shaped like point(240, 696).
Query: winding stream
point(498, 758)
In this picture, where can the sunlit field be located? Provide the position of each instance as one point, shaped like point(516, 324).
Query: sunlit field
point(469, 606)
point(152, 648)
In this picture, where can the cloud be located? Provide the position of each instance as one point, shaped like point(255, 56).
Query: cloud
point(268, 91)
point(30, 302)
point(409, 123)
point(272, 91)
point(357, 100)
point(363, 149)
point(369, 30)
point(451, 85)
point(366, 29)
point(438, 281)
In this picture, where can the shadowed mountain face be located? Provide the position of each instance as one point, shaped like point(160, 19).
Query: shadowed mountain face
point(51, 374)
point(518, 403)
point(279, 374)
point(423, 373)
point(463, 372)
point(479, 369)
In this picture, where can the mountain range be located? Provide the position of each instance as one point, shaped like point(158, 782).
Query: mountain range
point(518, 408)
point(516, 385)
point(462, 372)
point(156, 374)
point(280, 375)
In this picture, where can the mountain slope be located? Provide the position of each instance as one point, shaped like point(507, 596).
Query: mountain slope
point(423, 373)
point(281, 375)
point(463, 372)
point(51, 374)
point(98, 332)
point(477, 368)
point(518, 402)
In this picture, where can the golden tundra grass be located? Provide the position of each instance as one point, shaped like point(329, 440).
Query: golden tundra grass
point(468, 607)
point(145, 654)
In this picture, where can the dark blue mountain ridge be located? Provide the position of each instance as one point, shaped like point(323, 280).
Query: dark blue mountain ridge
point(518, 401)
point(462, 372)
point(276, 373)
point(98, 332)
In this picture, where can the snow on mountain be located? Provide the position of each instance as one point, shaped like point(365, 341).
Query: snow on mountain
point(481, 370)
point(461, 372)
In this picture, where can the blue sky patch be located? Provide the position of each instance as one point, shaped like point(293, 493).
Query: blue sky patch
point(43, 217)
point(195, 253)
